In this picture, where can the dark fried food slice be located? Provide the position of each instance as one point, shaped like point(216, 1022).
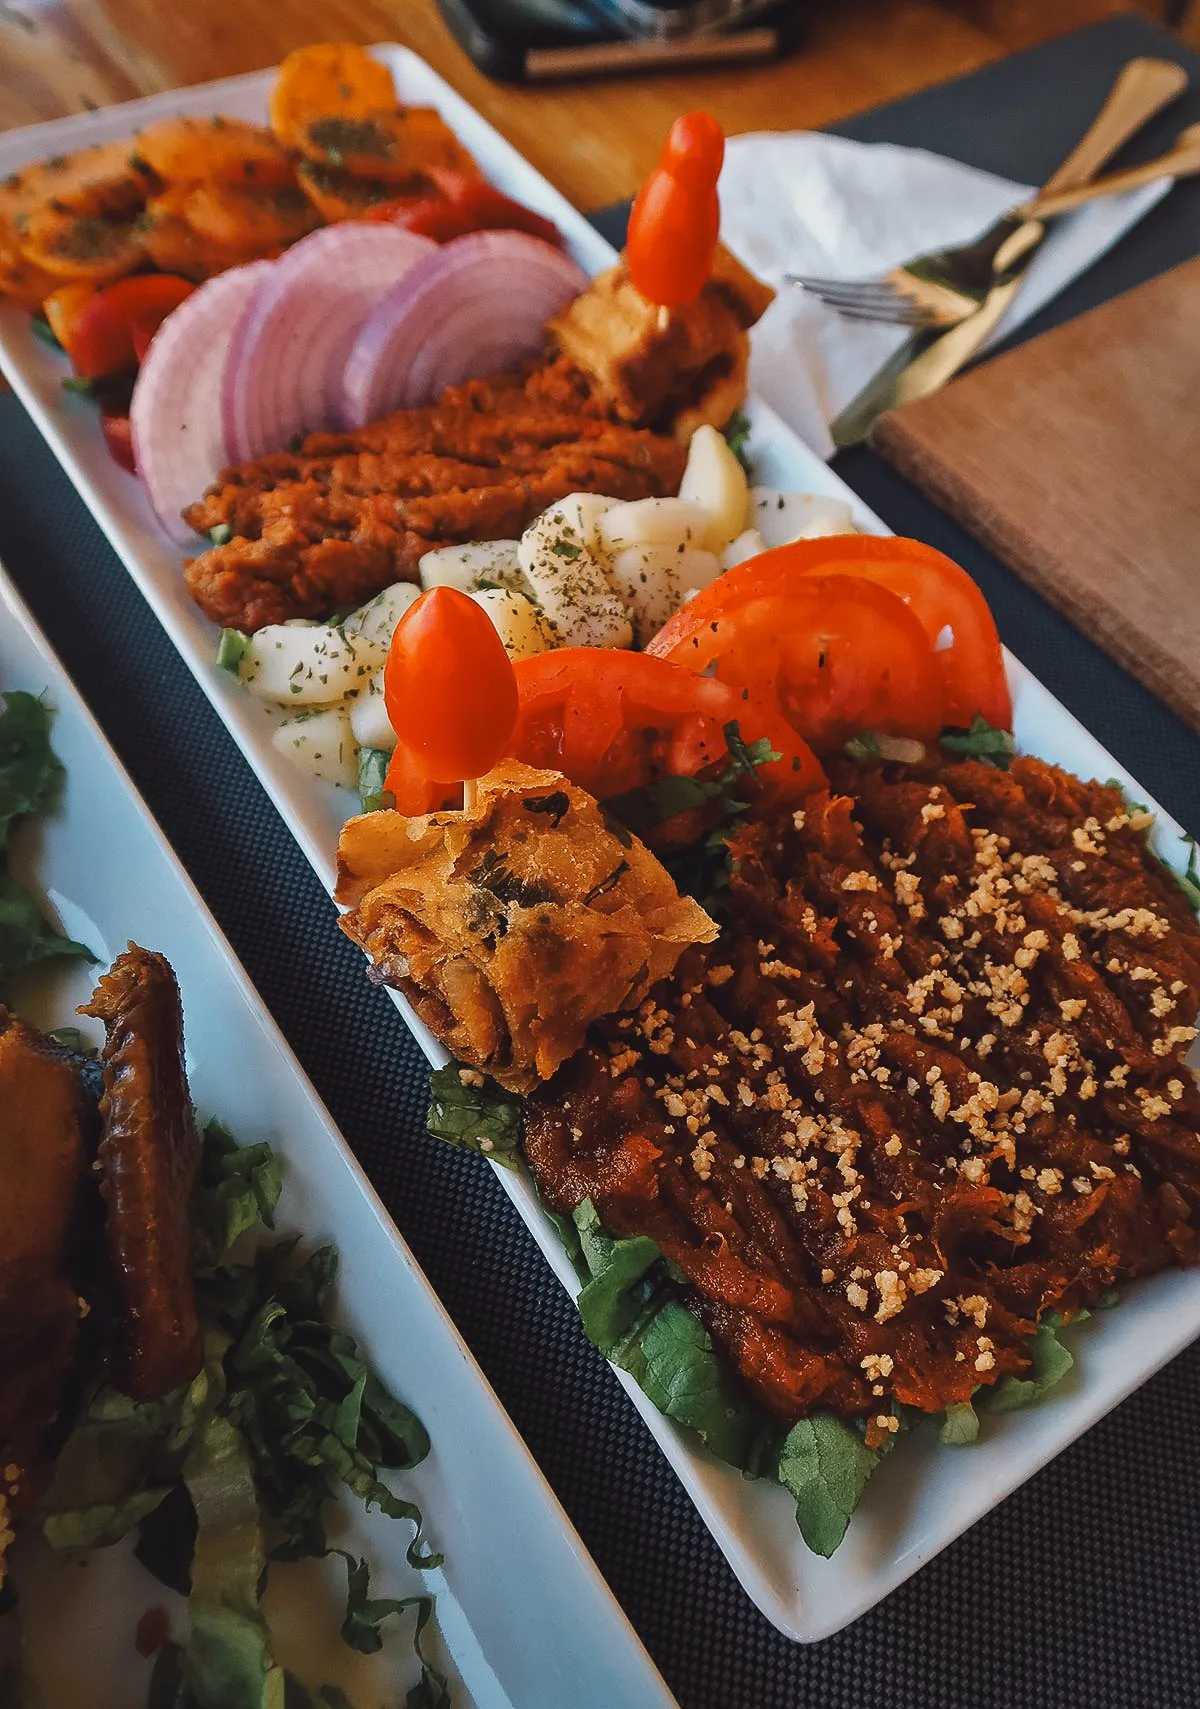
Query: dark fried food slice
point(44, 1135)
point(149, 1154)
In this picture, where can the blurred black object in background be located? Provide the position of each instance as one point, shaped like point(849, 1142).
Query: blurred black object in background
point(518, 41)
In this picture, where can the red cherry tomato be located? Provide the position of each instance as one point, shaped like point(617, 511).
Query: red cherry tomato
point(675, 223)
point(463, 204)
point(412, 791)
point(109, 332)
point(118, 436)
point(841, 655)
point(448, 686)
point(612, 721)
point(695, 146)
point(949, 606)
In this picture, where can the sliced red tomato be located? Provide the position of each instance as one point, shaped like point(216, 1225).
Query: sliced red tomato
point(112, 328)
point(949, 606)
point(839, 654)
point(464, 204)
point(612, 721)
point(118, 436)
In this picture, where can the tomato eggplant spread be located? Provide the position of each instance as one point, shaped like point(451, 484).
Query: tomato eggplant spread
point(927, 1086)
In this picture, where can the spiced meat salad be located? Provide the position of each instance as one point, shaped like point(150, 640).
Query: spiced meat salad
point(926, 1087)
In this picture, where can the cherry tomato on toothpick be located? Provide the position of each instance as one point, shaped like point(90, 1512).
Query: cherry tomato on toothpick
point(675, 223)
point(449, 687)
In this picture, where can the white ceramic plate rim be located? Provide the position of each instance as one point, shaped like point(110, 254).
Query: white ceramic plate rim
point(509, 1514)
point(923, 1497)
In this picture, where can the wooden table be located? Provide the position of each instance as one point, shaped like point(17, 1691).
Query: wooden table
point(595, 140)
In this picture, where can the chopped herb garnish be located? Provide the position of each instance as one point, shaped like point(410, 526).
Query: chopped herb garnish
point(982, 742)
point(737, 433)
point(232, 649)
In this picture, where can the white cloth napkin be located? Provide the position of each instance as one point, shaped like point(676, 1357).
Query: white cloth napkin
point(802, 202)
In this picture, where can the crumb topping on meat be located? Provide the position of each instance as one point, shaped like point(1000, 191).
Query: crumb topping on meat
point(927, 1086)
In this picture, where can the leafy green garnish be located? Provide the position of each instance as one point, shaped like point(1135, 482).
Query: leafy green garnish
point(639, 810)
point(824, 1464)
point(30, 776)
point(632, 1312)
point(864, 746)
point(960, 1425)
point(364, 1616)
point(1050, 1361)
point(41, 328)
point(283, 1411)
point(232, 649)
point(84, 383)
point(29, 772)
point(1189, 880)
point(372, 772)
point(477, 1117)
point(221, 534)
point(737, 433)
point(982, 742)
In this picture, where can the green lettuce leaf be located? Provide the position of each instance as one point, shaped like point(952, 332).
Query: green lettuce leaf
point(1050, 1361)
point(237, 1189)
point(478, 1118)
point(960, 1425)
point(30, 774)
point(372, 773)
point(824, 1465)
point(25, 936)
point(228, 1661)
point(631, 1311)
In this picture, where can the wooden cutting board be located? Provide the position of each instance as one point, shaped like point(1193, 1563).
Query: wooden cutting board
point(1076, 459)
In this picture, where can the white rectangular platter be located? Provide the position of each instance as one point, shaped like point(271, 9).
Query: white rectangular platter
point(924, 1495)
point(486, 1505)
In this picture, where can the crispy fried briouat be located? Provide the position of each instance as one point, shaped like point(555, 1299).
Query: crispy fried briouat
point(512, 927)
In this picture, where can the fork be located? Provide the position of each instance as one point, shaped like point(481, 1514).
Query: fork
point(943, 287)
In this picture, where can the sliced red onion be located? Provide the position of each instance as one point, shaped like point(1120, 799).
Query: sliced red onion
point(175, 415)
point(289, 348)
point(475, 307)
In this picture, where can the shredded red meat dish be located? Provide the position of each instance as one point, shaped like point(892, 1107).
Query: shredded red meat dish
point(927, 1086)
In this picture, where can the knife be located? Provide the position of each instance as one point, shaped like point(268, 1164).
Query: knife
point(922, 363)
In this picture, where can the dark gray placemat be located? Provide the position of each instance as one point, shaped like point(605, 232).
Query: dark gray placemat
point(1079, 1592)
